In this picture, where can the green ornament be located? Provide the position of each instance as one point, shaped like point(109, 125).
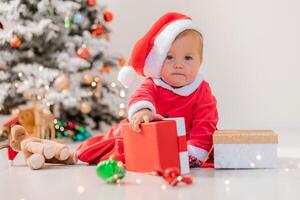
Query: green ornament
point(87, 135)
point(66, 133)
point(68, 22)
point(111, 171)
point(82, 130)
point(58, 134)
point(60, 123)
point(79, 137)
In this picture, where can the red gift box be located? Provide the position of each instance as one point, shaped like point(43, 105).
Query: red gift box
point(159, 145)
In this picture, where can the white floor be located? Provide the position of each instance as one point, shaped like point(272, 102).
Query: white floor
point(80, 181)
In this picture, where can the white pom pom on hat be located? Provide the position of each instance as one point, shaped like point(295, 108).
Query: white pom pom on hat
point(127, 76)
point(150, 51)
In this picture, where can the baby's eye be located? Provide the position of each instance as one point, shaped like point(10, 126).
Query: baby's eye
point(169, 57)
point(188, 57)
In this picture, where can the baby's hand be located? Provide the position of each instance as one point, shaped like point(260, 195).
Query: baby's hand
point(144, 115)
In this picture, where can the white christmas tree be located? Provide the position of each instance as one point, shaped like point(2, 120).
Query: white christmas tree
point(57, 52)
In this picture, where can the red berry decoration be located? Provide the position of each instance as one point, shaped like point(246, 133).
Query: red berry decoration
point(83, 52)
point(97, 30)
point(108, 16)
point(15, 42)
point(71, 125)
point(91, 2)
point(172, 176)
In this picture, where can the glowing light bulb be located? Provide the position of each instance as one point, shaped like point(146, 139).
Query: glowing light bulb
point(286, 169)
point(252, 164)
point(122, 105)
point(113, 84)
point(258, 157)
point(93, 84)
point(80, 189)
point(227, 182)
point(122, 93)
point(138, 181)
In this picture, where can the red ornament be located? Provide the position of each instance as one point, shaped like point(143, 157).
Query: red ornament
point(15, 42)
point(97, 30)
point(108, 16)
point(91, 2)
point(1, 26)
point(83, 52)
point(71, 125)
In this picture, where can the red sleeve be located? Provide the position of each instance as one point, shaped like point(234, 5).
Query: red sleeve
point(143, 97)
point(204, 123)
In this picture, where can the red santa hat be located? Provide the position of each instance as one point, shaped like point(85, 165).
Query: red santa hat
point(151, 50)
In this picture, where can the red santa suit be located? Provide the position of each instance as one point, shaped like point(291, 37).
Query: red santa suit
point(194, 102)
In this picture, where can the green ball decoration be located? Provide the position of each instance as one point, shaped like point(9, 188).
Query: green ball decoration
point(79, 137)
point(65, 134)
point(60, 123)
point(58, 134)
point(68, 22)
point(82, 130)
point(87, 135)
point(111, 171)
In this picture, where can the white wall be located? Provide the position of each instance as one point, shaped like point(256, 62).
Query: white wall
point(252, 57)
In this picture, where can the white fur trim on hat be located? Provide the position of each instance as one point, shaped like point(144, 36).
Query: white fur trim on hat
point(162, 44)
point(127, 76)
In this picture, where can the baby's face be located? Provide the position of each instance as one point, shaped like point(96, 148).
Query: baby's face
point(182, 62)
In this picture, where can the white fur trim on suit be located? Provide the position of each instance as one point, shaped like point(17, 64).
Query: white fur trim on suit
point(199, 153)
point(138, 106)
point(162, 44)
point(183, 91)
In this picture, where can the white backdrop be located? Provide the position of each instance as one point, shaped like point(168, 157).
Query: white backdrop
point(251, 59)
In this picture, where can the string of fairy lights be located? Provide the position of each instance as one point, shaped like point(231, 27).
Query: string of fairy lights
point(36, 85)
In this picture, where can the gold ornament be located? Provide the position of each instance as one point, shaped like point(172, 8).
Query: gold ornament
point(105, 69)
point(62, 82)
point(85, 107)
point(87, 79)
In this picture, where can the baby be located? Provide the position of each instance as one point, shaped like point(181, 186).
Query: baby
point(170, 56)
